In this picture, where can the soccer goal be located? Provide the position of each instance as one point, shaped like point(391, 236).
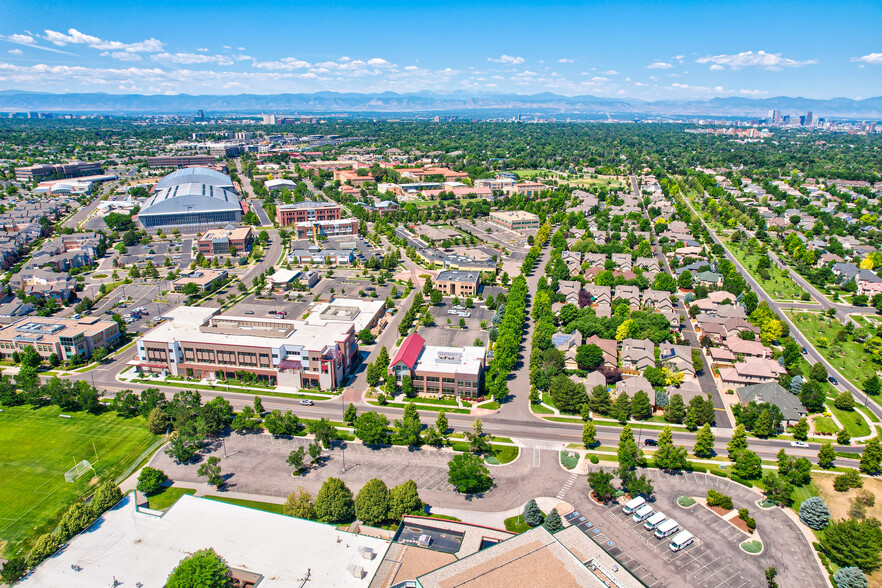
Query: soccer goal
point(74, 473)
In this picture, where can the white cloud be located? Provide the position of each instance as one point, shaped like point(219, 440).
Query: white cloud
point(286, 63)
point(202, 50)
point(659, 65)
point(599, 79)
point(508, 60)
point(767, 61)
point(29, 41)
point(75, 37)
point(716, 67)
point(610, 72)
point(679, 57)
point(122, 55)
point(191, 58)
point(379, 62)
point(870, 58)
point(16, 51)
point(566, 60)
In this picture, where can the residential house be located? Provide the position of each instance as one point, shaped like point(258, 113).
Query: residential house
point(677, 358)
point(868, 283)
point(609, 347)
point(570, 291)
point(688, 390)
point(740, 346)
point(791, 408)
point(595, 259)
point(633, 385)
point(753, 370)
point(599, 294)
point(622, 261)
point(637, 355)
point(658, 300)
point(567, 343)
point(709, 278)
point(630, 294)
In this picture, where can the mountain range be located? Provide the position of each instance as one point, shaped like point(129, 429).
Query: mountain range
point(467, 105)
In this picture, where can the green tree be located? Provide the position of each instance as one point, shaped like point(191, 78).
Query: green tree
point(589, 434)
point(589, 356)
point(599, 401)
point(704, 441)
point(372, 502)
point(748, 465)
point(468, 474)
point(675, 412)
point(630, 456)
point(409, 427)
point(478, 441)
point(157, 421)
point(601, 485)
point(826, 455)
point(844, 401)
point(150, 480)
point(777, 488)
point(763, 426)
point(403, 500)
point(738, 442)
point(568, 395)
point(299, 504)
point(205, 569)
point(871, 458)
point(532, 515)
point(667, 456)
point(685, 280)
point(372, 374)
point(622, 408)
point(814, 513)
point(641, 409)
point(297, 458)
point(851, 542)
point(850, 577)
point(553, 524)
point(872, 385)
point(46, 545)
point(351, 415)
point(382, 360)
point(407, 387)
point(78, 517)
point(372, 428)
point(106, 496)
point(801, 429)
point(442, 425)
point(818, 372)
point(258, 405)
point(334, 502)
point(13, 570)
point(211, 469)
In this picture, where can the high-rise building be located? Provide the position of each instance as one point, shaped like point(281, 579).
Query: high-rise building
point(269, 119)
point(808, 119)
point(776, 117)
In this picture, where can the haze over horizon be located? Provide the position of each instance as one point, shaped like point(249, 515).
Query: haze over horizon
point(642, 50)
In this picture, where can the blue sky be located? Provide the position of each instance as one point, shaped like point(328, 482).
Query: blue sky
point(645, 50)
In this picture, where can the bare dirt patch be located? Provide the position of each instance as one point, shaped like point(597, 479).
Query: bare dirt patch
point(719, 510)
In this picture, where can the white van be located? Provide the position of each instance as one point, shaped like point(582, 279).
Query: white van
point(681, 540)
point(666, 529)
point(654, 521)
point(633, 505)
point(643, 513)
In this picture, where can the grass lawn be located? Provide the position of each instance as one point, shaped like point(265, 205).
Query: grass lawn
point(516, 524)
point(503, 454)
point(752, 546)
point(685, 501)
point(568, 461)
point(803, 493)
point(853, 422)
point(539, 409)
point(848, 356)
point(167, 496)
point(265, 506)
point(530, 173)
point(39, 447)
point(778, 286)
point(825, 425)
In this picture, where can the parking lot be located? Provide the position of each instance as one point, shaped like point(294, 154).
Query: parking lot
point(441, 312)
point(496, 235)
point(714, 559)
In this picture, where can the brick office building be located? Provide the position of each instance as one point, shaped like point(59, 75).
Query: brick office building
point(299, 212)
point(439, 371)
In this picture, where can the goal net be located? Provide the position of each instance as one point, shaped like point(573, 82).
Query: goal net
point(74, 473)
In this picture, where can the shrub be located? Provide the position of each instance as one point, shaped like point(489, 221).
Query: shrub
point(107, 495)
point(532, 514)
point(719, 499)
point(848, 480)
point(850, 578)
point(150, 480)
point(814, 513)
point(744, 515)
point(594, 458)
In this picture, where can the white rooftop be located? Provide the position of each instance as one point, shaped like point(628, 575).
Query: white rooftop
point(137, 547)
point(359, 312)
point(451, 360)
point(284, 276)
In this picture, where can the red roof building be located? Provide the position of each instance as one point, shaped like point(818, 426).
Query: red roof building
point(409, 351)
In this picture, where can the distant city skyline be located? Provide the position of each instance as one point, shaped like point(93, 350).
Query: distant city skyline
point(642, 50)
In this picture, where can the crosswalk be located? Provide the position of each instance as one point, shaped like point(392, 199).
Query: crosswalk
point(566, 487)
point(537, 457)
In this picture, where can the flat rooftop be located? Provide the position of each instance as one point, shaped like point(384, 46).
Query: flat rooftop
point(514, 215)
point(132, 547)
point(451, 360)
point(359, 312)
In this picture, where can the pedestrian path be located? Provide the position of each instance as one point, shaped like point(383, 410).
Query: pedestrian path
point(567, 485)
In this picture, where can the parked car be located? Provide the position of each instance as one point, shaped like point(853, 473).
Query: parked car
point(833, 380)
point(306, 403)
point(459, 307)
point(804, 350)
point(650, 442)
point(271, 312)
point(249, 312)
point(801, 444)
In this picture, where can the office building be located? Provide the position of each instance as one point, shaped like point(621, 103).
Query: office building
point(327, 228)
point(288, 214)
point(180, 161)
point(74, 169)
point(192, 199)
point(458, 283)
point(515, 220)
point(439, 371)
point(198, 342)
point(203, 278)
point(224, 241)
point(63, 337)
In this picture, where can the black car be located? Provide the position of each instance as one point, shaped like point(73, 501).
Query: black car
point(650, 442)
point(833, 381)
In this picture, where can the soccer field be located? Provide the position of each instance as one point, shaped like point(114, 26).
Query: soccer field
point(38, 446)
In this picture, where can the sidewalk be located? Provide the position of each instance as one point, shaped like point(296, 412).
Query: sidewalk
point(497, 519)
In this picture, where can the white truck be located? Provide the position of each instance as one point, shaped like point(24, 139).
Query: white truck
point(666, 529)
point(633, 505)
point(643, 513)
point(681, 540)
point(654, 521)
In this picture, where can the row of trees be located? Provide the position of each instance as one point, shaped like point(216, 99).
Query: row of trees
point(375, 504)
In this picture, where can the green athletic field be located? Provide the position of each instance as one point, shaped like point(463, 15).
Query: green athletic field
point(39, 446)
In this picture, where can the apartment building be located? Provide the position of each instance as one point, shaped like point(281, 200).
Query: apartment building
point(299, 212)
point(63, 337)
point(198, 342)
point(327, 228)
point(223, 241)
point(496, 184)
point(515, 220)
point(439, 371)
